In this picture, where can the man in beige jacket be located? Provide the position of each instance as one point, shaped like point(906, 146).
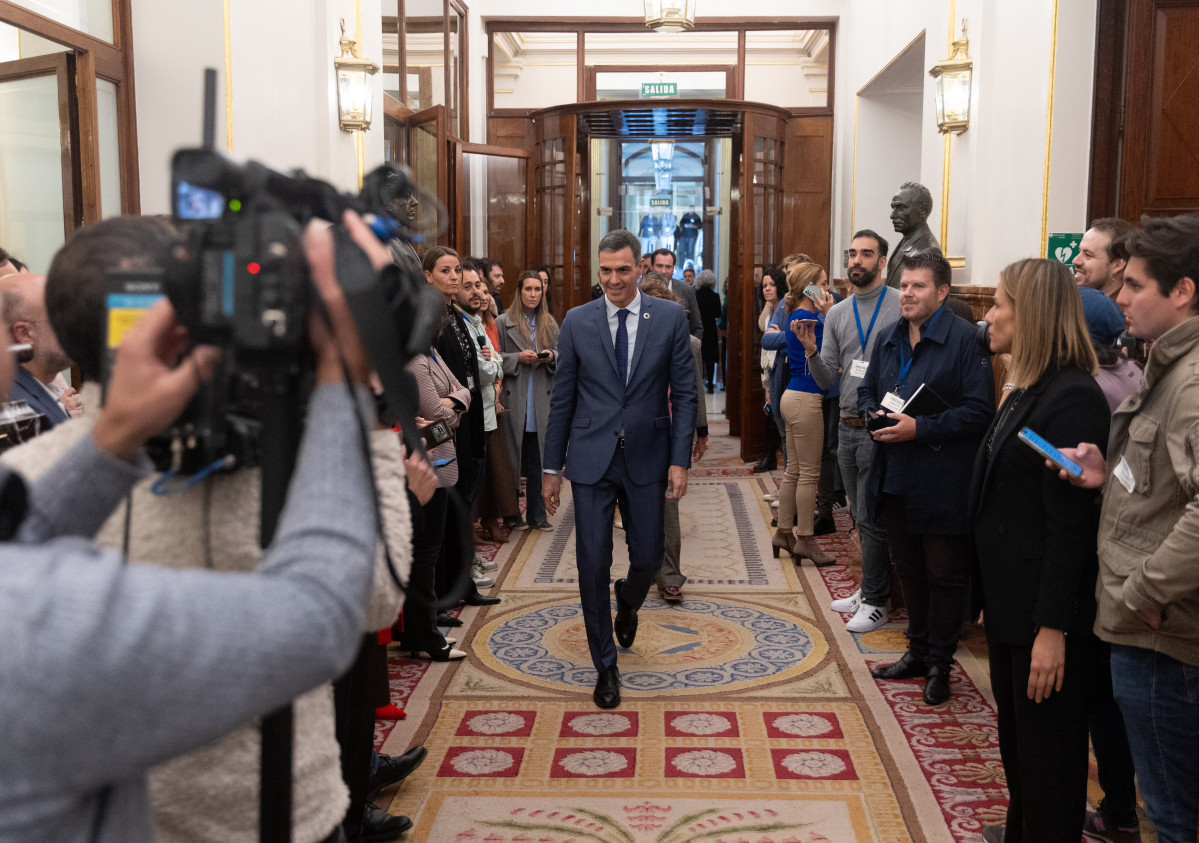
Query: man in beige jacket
point(1149, 529)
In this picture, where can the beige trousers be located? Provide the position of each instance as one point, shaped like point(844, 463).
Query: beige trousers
point(804, 418)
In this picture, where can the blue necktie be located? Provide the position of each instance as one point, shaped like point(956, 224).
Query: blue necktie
point(622, 347)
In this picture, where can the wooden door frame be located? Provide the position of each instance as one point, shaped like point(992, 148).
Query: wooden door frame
point(60, 66)
point(95, 59)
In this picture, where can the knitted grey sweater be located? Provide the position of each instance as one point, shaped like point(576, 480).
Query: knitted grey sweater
point(842, 345)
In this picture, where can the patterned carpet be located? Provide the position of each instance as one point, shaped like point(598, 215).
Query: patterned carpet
point(748, 711)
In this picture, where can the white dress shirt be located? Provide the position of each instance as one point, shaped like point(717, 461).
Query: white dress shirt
point(630, 324)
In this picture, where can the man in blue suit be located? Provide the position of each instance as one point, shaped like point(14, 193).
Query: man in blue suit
point(24, 297)
point(621, 421)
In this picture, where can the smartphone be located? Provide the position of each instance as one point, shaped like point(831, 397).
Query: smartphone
point(443, 461)
point(815, 292)
point(543, 354)
point(1038, 444)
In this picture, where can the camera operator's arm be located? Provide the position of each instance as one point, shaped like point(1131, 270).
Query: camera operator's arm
point(110, 650)
point(147, 392)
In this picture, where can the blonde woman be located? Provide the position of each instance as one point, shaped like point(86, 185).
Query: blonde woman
point(1035, 540)
point(802, 409)
point(528, 343)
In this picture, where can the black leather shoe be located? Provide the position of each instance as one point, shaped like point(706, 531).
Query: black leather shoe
point(379, 826)
point(607, 688)
point(445, 620)
point(764, 465)
point(824, 525)
point(395, 768)
point(625, 623)
point(477, 599)
point(907, 667)
point(936, 686)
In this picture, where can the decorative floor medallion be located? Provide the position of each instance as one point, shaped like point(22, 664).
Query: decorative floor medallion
point(700, 645)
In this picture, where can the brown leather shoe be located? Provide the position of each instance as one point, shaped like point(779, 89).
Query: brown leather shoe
point(806, 547)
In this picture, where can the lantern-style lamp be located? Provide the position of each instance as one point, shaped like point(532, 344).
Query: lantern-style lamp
point(662, 152)
point(355, 94)
point(953, 77)
point(670, 15)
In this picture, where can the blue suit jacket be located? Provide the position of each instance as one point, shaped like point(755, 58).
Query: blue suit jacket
point(26, 388)
point(590, 406)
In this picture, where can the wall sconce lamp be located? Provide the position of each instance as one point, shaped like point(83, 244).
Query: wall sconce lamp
point(953, 77)
point(355, 97)
point(670, 15)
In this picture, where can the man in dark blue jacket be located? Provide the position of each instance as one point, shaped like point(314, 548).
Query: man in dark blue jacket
point(920, 471)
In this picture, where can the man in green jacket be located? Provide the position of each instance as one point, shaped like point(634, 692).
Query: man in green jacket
point(1148, 587)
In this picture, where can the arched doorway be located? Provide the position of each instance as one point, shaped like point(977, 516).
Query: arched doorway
point(779, 201)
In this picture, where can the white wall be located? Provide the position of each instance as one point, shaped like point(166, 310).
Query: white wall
point(284, 94)
point(284, 104)
point(996, 167)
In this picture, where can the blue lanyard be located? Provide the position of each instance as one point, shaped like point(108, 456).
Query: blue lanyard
point(864, 338)
point(904, 367)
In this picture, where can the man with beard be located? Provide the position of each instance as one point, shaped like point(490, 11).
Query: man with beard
point(1096, 266)
point(25, 310)
point(493, 277)
point(851, 330)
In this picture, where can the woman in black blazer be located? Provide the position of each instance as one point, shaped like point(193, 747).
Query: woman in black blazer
point(1035, 544)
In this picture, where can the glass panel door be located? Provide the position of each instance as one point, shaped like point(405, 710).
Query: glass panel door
point(38, 182)
point(492, 193)
point(427, 160)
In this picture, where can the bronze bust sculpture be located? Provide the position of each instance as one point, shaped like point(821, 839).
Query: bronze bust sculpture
point(910, 208)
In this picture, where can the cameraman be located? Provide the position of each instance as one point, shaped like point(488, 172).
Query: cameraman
point(110, 669)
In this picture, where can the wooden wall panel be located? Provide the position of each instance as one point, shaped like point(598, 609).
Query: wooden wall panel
point(808, 189)
point(514, 132)
point(1160, 159)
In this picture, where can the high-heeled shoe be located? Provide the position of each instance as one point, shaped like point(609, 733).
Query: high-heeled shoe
point(783, 540)
point(445, 654)
point(805, 547)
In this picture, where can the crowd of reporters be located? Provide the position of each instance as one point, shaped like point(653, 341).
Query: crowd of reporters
point(1085, 580)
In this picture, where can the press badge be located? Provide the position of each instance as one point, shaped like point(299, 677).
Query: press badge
point(1124, 475)
point(892, 403)
point(857, 369)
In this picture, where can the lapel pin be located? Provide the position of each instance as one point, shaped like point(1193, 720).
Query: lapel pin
point(645, 315)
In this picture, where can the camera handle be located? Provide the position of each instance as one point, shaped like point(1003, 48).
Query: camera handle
point(282, 425)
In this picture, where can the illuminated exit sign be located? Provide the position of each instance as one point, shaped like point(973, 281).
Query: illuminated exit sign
point(660, 203)
point(659, 89)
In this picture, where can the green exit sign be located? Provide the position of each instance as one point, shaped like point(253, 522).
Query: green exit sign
point(659, 203)
point(659, 89)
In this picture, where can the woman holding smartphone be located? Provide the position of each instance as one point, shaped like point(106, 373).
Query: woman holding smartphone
point(1034, 539)
point(772, 279)
point(528, 338)
point(801, 406)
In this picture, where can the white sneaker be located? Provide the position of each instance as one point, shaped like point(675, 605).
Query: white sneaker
point(482, 580)
point(774, 504)
point(770, 496)
point(868, 618)
point(847, 604)
point(485, 566)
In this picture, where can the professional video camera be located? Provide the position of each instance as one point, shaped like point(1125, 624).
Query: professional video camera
point(240, 281)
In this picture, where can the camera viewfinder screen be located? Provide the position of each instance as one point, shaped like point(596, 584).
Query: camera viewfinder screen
point(197, 203)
